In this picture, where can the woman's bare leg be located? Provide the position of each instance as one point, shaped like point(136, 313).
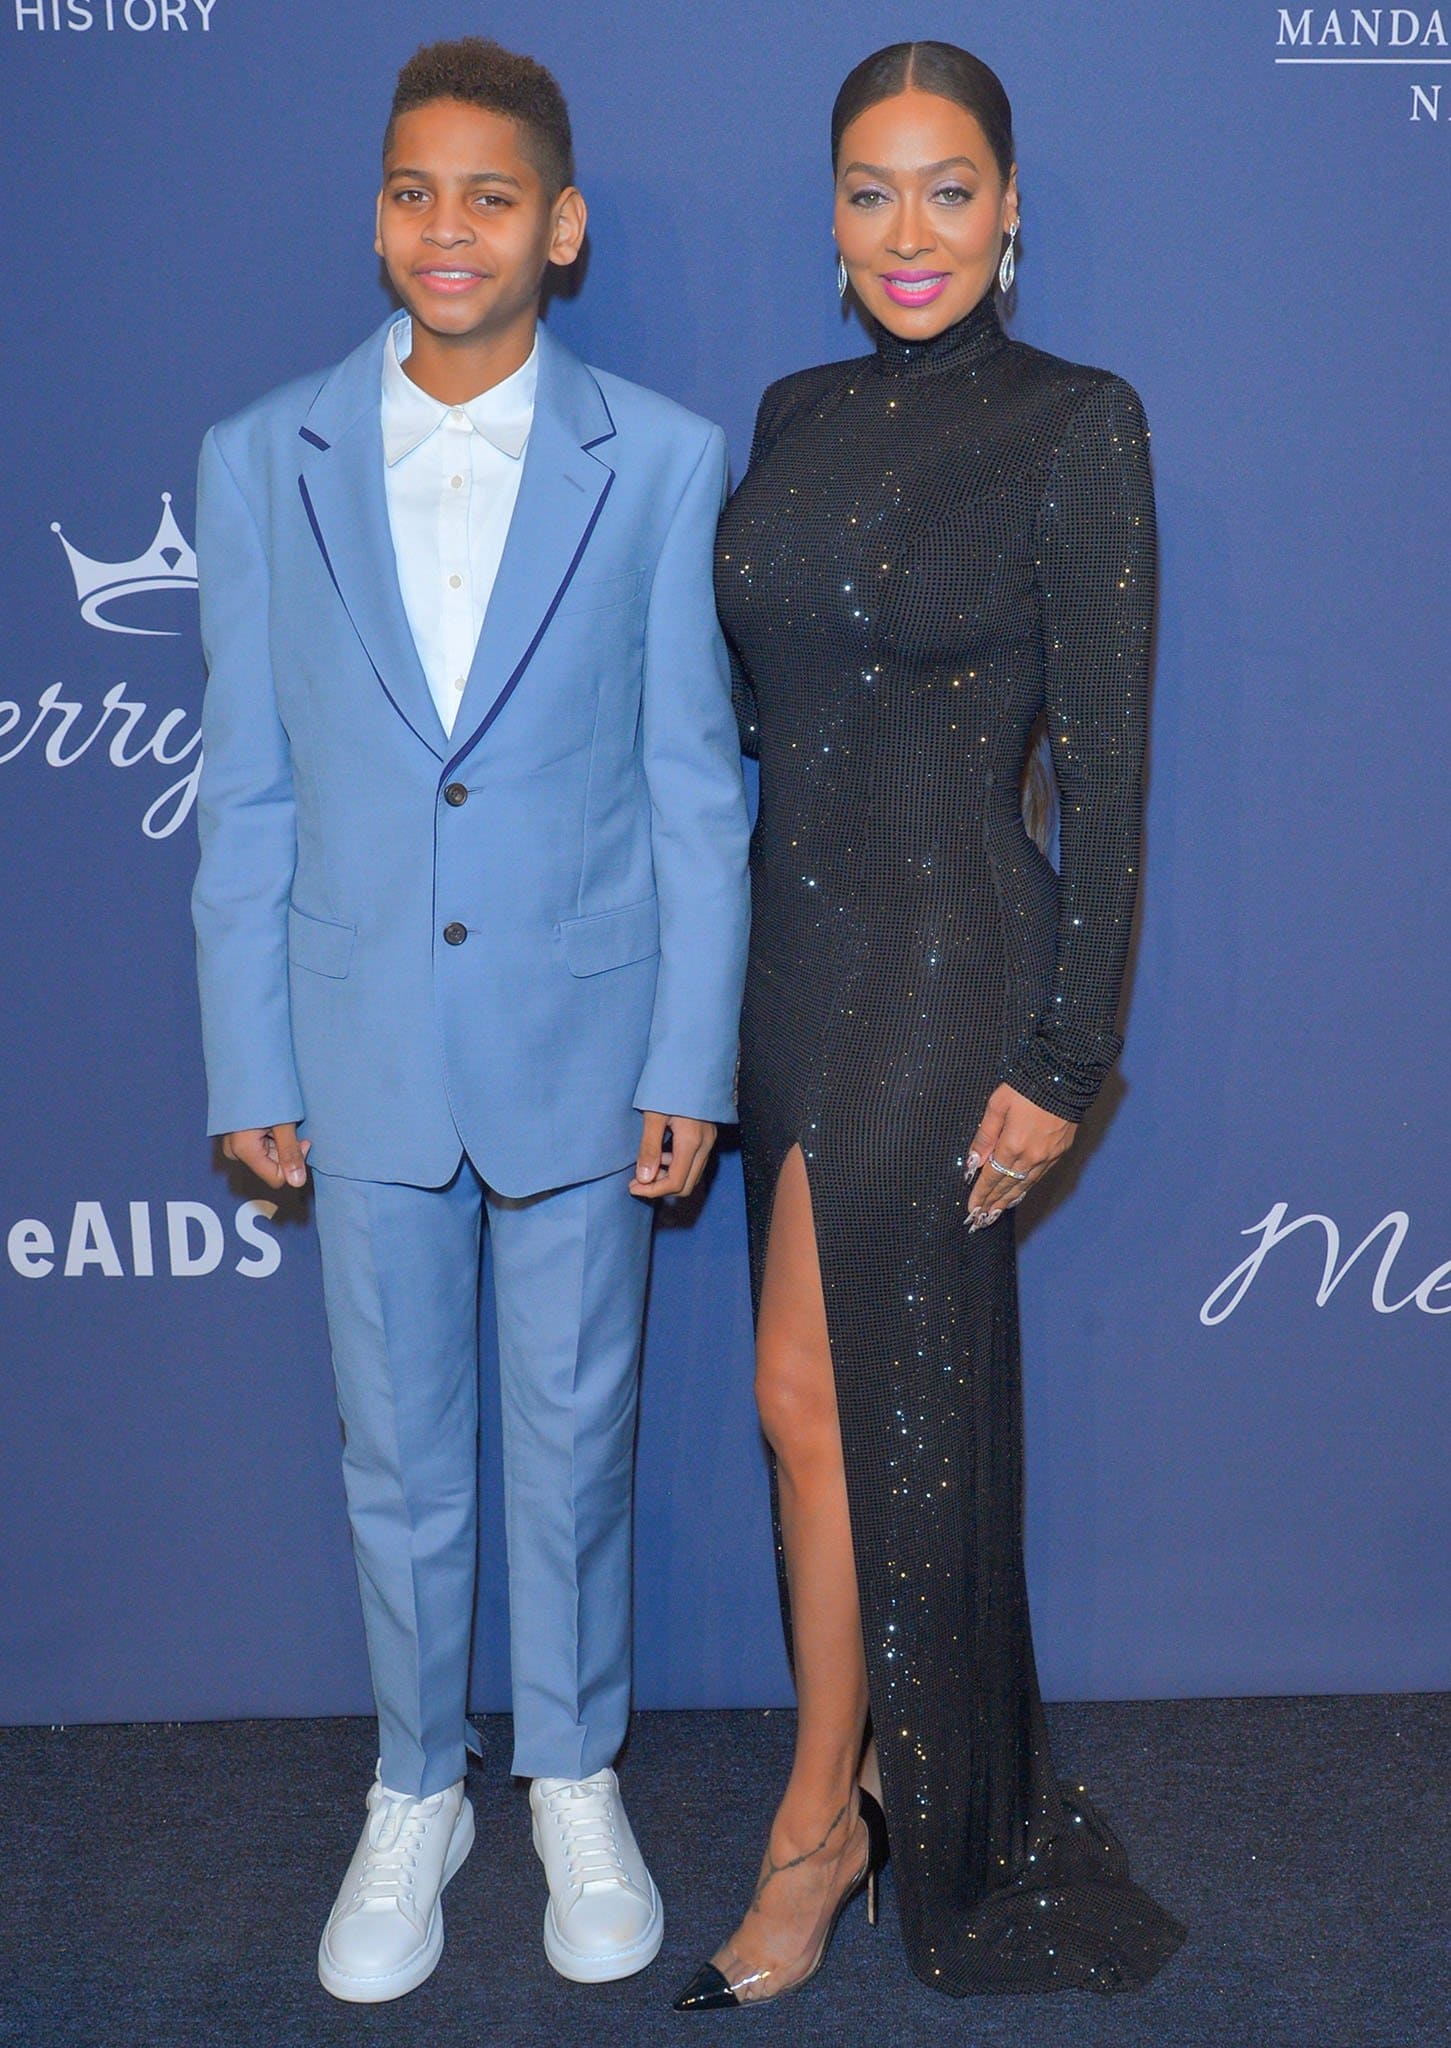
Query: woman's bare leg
point(818, 1842)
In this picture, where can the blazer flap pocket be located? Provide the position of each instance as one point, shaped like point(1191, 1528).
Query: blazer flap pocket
point(318, 943)
point(612, 938)
point(598, 593)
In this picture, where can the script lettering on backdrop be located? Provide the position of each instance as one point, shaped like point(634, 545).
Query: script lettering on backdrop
point(1399, 36)
point(62, 728)
point(1273, 1230)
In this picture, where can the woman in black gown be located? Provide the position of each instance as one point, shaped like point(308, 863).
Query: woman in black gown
point(932, 547)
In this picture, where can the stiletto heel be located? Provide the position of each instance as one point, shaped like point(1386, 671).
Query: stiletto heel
point(710, 1991)
point(879, 1850)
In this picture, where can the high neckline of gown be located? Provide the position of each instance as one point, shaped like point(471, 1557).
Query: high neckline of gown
point(976, 335)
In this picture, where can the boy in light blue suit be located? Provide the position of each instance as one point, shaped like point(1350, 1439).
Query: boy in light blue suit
point(471, 919)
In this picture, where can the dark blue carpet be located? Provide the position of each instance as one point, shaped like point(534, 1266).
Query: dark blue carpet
point(165, 1886)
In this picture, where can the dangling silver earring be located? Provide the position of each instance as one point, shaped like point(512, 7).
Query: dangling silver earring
point(842, 279)
point(1008, 268)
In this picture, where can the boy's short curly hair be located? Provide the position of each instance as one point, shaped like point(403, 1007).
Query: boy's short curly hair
point(483, 74)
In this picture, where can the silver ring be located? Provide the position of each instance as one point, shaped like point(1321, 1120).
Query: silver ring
point(998, 1167)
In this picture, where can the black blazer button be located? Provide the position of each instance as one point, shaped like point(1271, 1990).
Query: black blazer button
point(455, 794)
point(455, 934)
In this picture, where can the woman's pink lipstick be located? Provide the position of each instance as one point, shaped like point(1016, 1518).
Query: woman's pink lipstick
point(914, 287)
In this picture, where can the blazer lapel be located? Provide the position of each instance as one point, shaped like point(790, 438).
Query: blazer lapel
point(561, 495)
point(345, 498)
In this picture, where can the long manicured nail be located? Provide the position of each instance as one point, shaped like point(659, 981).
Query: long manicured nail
point(974, 1162)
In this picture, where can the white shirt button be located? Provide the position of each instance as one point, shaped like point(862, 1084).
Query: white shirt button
point(448, 551)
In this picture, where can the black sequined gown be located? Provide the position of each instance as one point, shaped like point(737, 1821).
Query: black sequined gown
point(930, 547)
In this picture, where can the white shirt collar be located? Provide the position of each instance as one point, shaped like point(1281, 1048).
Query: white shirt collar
point(503, 414)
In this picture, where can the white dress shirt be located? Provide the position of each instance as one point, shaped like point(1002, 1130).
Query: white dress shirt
point(452, 474)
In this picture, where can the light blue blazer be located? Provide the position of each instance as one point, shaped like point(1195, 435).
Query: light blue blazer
point(584, 829)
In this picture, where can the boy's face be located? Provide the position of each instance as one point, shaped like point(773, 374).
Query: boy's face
point(466, 226)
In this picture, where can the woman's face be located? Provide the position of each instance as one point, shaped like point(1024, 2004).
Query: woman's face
point(921, 211)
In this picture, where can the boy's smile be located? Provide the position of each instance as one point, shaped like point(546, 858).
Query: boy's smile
point(449, 281)
point(467, 228)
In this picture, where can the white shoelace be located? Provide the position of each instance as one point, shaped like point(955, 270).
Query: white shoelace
point(591, 1849)
point(394, 1833)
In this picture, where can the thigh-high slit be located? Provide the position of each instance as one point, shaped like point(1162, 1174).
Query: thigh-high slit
point(1007, 1880)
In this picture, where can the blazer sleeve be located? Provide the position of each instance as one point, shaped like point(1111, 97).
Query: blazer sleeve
point(246, 822)
point(698, 822)
point(1096, 570)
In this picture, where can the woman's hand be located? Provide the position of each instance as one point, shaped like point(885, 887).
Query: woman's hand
point(1013, 1133)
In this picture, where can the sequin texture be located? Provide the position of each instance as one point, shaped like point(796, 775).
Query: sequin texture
point(932, 546)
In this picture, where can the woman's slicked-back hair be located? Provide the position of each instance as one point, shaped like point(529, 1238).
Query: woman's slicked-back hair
point(942, 68)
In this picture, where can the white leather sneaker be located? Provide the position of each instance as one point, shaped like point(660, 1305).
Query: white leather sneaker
point(385, 1934)
point(604, 1918)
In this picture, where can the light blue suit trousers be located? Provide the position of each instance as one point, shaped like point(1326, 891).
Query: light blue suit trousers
point(401, 1270)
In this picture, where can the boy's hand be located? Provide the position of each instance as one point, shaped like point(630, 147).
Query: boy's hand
point(274, 1155)
point(677, 1171)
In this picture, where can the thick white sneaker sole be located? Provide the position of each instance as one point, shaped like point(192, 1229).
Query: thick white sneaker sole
point(617, 1962)
point(420, 1966)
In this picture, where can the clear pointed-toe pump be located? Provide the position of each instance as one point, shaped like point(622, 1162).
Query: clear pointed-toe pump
point(711, 1990)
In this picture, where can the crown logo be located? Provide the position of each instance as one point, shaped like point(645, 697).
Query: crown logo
point(168, 564)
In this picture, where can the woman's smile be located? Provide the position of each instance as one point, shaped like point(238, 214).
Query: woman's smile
point(914, 287)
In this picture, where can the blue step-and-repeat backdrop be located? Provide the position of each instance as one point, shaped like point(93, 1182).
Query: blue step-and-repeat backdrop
point(1238, 1384)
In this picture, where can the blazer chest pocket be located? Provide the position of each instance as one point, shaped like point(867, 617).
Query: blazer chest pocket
point(601, 593)
point(319, 944)
point(611, 938)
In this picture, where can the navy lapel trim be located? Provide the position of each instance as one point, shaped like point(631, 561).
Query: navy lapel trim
point(433, 746)
point(575, 417)
point(316, 529)
point(561, 496)
point(349, 388)
point(524, 660)
point(345, 499)
point(610, 428)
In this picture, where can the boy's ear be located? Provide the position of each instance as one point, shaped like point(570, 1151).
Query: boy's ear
point(571, 216)
point(378, 226)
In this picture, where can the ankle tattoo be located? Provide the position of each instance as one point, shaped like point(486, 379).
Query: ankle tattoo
point(774, 1869)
